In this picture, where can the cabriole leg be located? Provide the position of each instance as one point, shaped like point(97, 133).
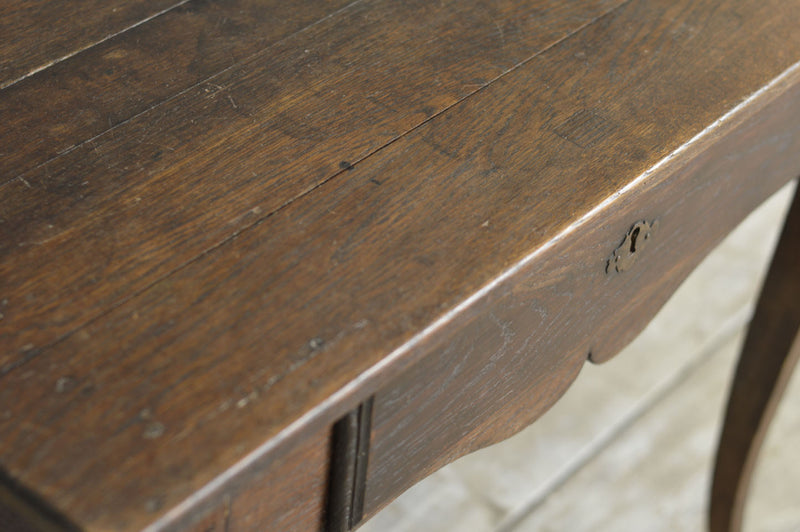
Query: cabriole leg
point(770, 352)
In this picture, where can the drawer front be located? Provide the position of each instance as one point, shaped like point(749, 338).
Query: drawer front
point(516, 351)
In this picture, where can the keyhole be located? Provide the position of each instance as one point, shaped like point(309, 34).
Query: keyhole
point(634, 234)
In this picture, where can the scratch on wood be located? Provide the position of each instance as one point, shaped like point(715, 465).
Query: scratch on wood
point(500, 31)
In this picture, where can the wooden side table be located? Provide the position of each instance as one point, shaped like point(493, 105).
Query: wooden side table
point(265, 265)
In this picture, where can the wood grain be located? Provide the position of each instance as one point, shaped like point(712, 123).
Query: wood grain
point(328, 291)
point(37, 33)
point(520, 351)
point(770, 353)
point(82, 97)
point(116, 214)
point(287, 492)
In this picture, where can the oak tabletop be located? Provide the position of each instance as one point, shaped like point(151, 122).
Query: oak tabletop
point(223, 224)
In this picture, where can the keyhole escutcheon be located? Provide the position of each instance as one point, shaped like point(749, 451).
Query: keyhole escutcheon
point(626, 254)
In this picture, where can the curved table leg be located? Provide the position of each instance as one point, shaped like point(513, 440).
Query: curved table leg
point(770, 352)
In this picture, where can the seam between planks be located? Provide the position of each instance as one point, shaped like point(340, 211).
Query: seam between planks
point(77, 51)
point(114, 305)
point(168, 99)
point(337, 397)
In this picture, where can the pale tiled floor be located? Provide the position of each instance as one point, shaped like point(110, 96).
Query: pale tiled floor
point(629, 447)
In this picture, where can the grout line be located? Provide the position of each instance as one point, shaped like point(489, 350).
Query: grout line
point(90, 45)
point(727, 331)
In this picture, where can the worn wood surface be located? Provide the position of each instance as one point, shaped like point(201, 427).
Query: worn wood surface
point(287, 492)
point(38, 33)
point(246, 259)
point(126, 209)
point(769, 355)
point(107, 85)
point(520, 352)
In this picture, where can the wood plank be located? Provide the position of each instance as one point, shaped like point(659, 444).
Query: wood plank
point(37, 33)
point(287, 492)
point(108, 84)
point(271, 326)
point(524, 345)
point(104, 221)
point(499, 485)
